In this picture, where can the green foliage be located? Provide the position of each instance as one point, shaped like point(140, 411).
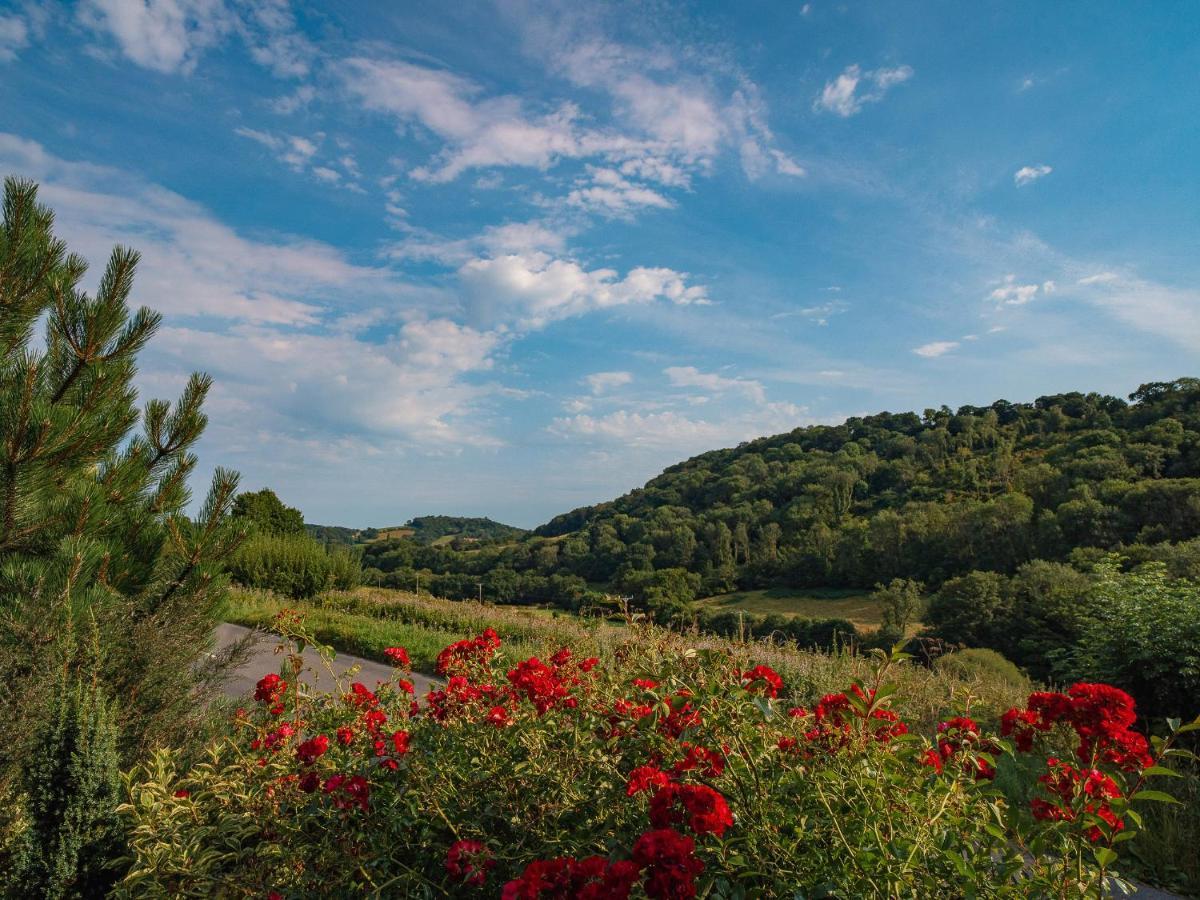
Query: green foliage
point(267, 513)
point(981, 664)
point(293, 565)
point(1143, 635)
point(929, 498)
point(92, 522)
point(901, 603)
point(808, 803)
point(71, 780)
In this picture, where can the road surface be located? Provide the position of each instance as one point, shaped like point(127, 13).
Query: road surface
point(264, 660)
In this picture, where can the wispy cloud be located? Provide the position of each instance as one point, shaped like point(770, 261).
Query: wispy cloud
point(603, 382)
point(1012, 294)
point(690, 376)
point(846, 95)
point(1029, 174)
point(935, 349)
point(14, 36)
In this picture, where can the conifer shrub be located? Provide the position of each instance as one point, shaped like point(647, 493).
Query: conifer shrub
point(71, 782)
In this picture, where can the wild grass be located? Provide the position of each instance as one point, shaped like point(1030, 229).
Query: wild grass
point(367, 620)
point(828, 603)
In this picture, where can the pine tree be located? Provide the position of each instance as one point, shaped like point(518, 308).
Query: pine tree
point(92, 513)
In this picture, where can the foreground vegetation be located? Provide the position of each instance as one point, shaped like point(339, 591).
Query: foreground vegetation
point(657, 769)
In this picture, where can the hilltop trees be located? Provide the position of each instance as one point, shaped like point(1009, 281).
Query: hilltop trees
point(267, 513)
point(103, 578)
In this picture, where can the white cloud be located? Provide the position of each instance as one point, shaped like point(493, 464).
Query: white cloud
point(477, 132)
point(163, 35)
point(935, 348)
point(602, 382)
point(275, 42)
point(495, 240)
point(1012, 294)
point(607, 191)
point(1029, 174)
point(1159, 309)
point(679, 433)
point(14, 36)
point(192, 264)
point(843, 97)
point(294, 151)
point(690, 376)
point(410, 387)
point(533, 289)
point(274, 320)
point(297, 99)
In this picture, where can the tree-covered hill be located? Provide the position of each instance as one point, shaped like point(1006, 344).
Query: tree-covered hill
point(427, 529)
point(928, 497)
point(902, 495)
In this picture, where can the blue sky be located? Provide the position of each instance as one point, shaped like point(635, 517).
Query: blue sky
point(507, 259)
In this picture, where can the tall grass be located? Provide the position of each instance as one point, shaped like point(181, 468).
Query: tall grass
point(365, 621)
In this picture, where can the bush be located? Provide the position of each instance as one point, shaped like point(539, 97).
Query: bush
point(72, 786)
point(980, 664)
point(679, 770)
point(293, 565)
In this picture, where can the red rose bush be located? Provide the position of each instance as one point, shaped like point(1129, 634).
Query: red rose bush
point(657, 771)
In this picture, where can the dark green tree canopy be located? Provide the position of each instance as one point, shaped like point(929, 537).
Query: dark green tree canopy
point(267, 513)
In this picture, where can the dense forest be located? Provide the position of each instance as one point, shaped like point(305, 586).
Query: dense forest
point(929, 497)
point(1014, 527)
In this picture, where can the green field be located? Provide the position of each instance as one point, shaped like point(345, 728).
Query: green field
point(816, 603)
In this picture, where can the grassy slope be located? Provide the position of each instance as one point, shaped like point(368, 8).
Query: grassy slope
point(815, 603)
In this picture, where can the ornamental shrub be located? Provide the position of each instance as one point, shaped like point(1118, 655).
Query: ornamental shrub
point(72, 783)
point(656, 770)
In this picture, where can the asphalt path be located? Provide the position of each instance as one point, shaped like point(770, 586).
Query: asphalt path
point(263, 659)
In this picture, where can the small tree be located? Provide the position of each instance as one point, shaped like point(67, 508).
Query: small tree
point(899, 603)
point(92, 522)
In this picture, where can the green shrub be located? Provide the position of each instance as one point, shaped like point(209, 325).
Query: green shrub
point(72, 783)
point(682, 769)
point(293, 565)
point(981, 664)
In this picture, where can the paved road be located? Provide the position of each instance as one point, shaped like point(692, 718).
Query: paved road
point(264, 660)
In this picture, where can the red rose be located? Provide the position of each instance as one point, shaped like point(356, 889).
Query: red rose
point(312, 749)
point(469, 862)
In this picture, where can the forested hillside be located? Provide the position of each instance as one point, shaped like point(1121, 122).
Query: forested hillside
point(927, 497)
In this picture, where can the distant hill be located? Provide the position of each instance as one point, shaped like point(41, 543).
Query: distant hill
point(927, 496)
point(422, 529)
point(428, 529)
